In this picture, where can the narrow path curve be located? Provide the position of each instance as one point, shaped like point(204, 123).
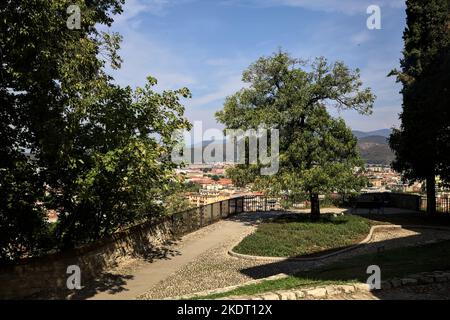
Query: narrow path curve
point(188, 249)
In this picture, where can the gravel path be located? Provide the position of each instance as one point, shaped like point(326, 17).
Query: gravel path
point(215, 268)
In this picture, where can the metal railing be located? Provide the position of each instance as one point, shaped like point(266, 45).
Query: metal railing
point(442, 204)
point(196, 218)
point(261, 203)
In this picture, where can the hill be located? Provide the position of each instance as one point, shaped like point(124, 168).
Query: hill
point(381, 132)
point(373, 146)
point(375, 149)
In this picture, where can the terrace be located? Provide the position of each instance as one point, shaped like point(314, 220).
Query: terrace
point(248, 241)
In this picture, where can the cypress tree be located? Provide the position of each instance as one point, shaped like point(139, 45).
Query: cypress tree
point(421, 142)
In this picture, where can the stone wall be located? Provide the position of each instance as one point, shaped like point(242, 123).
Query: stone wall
point(395, 200)
point(405, 201)
point(29, 277)
point(46, 276)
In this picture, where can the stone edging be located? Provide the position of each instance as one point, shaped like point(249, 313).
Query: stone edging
point(324, 292)
point(363, 242)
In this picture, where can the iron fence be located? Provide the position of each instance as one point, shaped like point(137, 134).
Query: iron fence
point(261, 203)
point(196, 218)
point(442, 204)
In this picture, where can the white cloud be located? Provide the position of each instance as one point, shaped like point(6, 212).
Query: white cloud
point(133, 8)
point(218, 61)
point(211, 78)
point(143, 55)
point(343, 6)
point(147, 54)
point(229, 86)
point(361, 37)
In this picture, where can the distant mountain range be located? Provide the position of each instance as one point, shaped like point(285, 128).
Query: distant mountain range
point(373, 146)
point(382, 132)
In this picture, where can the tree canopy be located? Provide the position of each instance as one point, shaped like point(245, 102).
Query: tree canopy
point(318, 152)
point(71, 139)
point(421, 144)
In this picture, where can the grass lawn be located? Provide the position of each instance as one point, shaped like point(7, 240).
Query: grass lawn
point(393, 263)
point(294, 235)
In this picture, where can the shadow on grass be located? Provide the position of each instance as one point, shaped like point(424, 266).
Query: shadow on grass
point(410, 218)
point(394, 263)
point(305, 218)
point(281, 217)
point(373, 253)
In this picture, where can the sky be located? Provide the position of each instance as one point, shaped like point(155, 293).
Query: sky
point(205, 45)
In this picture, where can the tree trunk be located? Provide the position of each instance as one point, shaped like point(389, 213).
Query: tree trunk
point(315, 206)
point(431, 194)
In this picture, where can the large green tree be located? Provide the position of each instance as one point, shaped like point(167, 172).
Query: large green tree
point(421, 144)
point(318, 152)
point(71, 139)
point(35, 48)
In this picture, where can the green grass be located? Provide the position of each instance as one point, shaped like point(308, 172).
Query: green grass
point(393, 263)
point(294, 235)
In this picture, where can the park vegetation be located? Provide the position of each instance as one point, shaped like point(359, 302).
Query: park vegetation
point(318, 153)
point(422, 143)
point(71, 139)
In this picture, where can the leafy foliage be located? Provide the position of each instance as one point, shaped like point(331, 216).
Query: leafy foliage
point(175, 199)
point(421, 145)
point(98, 152)
point(318, 153)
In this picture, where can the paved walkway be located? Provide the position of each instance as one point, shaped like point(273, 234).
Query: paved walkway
point(148, 274)
point(199, 262)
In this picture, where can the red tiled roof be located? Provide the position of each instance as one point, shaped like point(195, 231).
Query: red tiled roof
point(225, 182)
point(202, 180)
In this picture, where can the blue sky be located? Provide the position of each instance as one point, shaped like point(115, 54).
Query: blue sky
point(206, 44)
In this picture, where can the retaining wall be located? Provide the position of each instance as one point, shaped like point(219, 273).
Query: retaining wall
point(46, 276)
